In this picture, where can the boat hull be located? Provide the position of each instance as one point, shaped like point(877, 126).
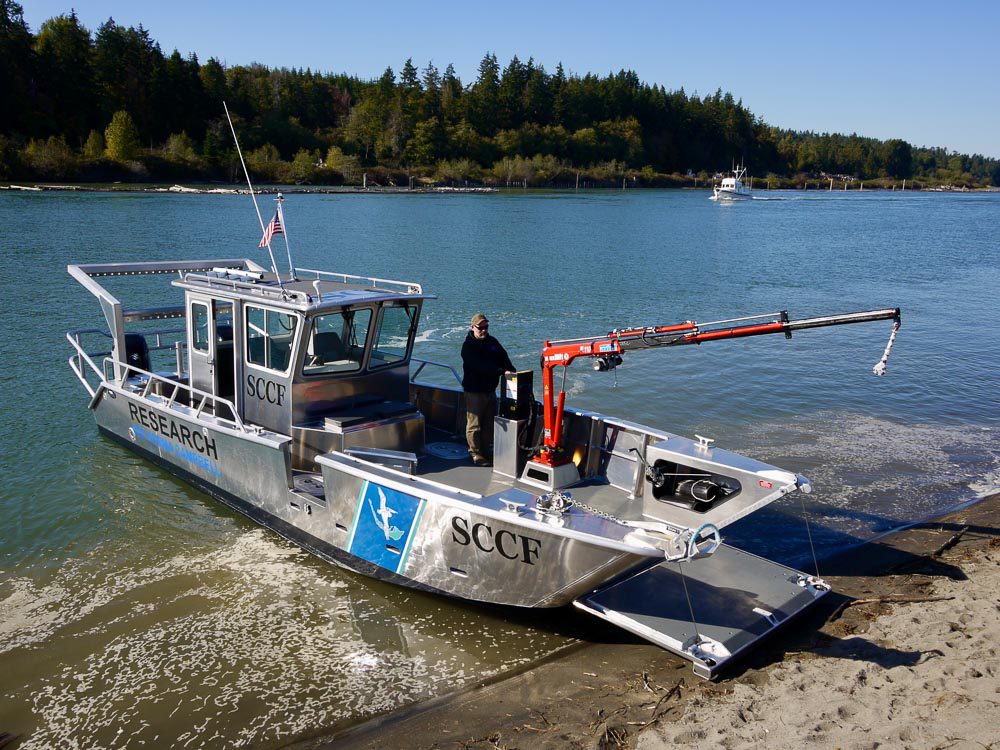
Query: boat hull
point(423, 537)
point(731, 195)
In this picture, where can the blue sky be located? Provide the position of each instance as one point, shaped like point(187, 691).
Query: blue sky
point(926, 72)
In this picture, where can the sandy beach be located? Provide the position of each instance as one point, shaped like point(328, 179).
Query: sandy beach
point(924, 673)
point(905, 654)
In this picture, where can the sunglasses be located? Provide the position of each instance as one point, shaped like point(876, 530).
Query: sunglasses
point(483, 326)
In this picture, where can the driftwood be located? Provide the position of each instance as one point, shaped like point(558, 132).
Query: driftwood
point(675, 691)
point(886, 600)
point(950, 543)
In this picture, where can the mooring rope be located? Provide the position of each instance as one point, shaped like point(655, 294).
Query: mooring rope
point(879, 369)
point(812, 547)
point(694, 622)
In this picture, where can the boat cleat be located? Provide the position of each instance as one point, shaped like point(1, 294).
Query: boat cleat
point(813, 584)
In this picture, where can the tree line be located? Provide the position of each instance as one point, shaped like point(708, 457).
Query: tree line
point(112, 106)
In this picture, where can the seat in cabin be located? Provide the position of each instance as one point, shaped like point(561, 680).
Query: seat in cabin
point(327, 347)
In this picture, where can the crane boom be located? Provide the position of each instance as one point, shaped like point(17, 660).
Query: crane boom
point(607, 350)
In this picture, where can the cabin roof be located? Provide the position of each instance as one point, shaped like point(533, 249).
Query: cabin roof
point(308, 293)
point(244, 279)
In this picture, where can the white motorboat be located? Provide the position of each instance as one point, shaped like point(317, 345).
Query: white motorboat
point(732, 188)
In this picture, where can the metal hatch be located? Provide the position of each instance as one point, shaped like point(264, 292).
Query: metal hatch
point(736, 599)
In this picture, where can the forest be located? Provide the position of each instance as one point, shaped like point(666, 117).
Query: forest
point(111, 106)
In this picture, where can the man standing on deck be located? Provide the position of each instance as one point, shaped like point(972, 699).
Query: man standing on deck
point(484, 361)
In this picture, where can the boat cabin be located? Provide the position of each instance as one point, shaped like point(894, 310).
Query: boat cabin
point(324, 360)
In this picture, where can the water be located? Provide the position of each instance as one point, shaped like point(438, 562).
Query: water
point(135, 611)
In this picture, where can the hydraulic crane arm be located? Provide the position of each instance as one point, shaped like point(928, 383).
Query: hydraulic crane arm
point(606, 352)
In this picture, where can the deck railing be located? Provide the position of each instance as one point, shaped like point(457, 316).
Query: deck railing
point(423, 363)
point(407, 287)
point(152, 383)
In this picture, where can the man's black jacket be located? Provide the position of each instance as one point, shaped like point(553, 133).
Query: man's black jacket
point(485, 360)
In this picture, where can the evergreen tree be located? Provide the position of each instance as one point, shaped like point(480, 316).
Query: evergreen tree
point(483, 98)
point(510, 92)
point(17, 61)
point(432, 92)
point(65, 80)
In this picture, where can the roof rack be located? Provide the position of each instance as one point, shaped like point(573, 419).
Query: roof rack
point(252, 288)
point(384, 285)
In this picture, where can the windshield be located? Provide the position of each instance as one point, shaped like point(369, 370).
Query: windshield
point(337, 342)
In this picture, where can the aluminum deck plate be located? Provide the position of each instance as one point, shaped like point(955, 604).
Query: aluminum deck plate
point(737, 598)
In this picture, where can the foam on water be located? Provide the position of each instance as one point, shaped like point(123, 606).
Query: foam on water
point(869, 475)
point(250, 644)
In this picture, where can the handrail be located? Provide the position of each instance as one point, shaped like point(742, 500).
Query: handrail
point(260, 290)
point(76, 360)
point(410, 287)
point(196, 395)
point(425, 362)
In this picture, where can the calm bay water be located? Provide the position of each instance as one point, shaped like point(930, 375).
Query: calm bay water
point(135, 611)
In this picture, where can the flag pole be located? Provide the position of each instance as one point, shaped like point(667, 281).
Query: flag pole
point(284, 231)
point(253, 195)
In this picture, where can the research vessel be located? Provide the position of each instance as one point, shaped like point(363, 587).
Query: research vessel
point(295, 398)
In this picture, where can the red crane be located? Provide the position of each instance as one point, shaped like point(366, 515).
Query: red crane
point(607, 353)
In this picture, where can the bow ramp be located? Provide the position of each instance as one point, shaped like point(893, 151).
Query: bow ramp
point(708, 610)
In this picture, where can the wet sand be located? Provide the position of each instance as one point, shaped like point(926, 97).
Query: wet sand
point(905, 654)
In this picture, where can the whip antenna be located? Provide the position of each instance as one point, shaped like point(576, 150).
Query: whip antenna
point(253, 195)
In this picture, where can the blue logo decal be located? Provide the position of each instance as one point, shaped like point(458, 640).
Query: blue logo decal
point(180, 451)
point(384, 522)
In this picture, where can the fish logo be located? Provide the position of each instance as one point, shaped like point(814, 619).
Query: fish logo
point(382, 517)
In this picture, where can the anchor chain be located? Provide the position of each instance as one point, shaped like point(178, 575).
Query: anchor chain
point(600, 513)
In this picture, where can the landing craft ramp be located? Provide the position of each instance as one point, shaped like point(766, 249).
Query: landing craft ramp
point(708, 610)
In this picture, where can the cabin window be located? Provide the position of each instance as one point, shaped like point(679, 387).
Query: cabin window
point(269, 337)
point(199, 326)
point(395, 332)
point(224, 323)
point(337, 342)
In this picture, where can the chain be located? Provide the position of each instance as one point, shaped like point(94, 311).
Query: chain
point(599, 513)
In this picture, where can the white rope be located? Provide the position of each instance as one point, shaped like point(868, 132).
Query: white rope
point(879, 369)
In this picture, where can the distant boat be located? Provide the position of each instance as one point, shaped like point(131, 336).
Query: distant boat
point(732, 188)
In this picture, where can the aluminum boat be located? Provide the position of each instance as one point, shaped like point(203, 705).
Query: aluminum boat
point(295, 399)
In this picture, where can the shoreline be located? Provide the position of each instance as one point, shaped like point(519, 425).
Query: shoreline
point(890, 640)
point(269, 190)
point(42, 187)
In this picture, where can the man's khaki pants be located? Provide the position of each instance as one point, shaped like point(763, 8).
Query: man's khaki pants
point(480, 409)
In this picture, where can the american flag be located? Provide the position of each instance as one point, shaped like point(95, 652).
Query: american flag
point(272, 229)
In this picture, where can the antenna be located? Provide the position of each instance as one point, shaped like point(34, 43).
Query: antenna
point(253, 195)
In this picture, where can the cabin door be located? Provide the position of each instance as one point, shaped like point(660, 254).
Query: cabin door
point(210, 346)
